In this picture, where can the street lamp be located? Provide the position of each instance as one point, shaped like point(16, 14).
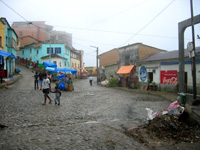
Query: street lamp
point(97, 64)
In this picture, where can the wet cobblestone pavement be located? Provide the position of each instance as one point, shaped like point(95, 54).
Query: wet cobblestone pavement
point(89, 118)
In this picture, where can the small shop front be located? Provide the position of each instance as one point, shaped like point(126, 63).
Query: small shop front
point(127, 76)
point(7, 63)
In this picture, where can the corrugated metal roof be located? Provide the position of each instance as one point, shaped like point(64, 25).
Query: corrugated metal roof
point(167, 55)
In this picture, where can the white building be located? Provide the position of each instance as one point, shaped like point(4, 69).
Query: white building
point(163, 69)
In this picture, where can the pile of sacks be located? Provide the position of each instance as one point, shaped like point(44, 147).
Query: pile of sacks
point(174, 110)
point(104, 83)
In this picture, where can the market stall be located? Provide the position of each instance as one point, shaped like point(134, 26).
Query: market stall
point(63, 82)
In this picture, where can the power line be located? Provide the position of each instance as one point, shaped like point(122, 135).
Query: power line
point(111, 16)
point(149, 22)
point(118, 32)
point(14, 10)
point(32, 23)
point(97, 29)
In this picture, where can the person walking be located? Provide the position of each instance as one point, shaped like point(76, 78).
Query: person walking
point(40, 79)
point(90, 80)
point(36, 76)
point(46, 88)
point(119, 81)
point(57, 95)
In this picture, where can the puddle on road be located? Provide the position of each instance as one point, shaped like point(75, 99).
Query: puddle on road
point(102, 120)
point(91, 122)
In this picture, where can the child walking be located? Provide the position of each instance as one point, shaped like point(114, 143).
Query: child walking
point(46, 89)
point(57, 94)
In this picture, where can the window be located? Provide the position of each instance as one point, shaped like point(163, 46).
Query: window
point(58, 50)
point(37, 52)
point(55, 62)
point(68, 64)
point(22, 52)
point(65, 64)
point(30, 50)
point(49, 49)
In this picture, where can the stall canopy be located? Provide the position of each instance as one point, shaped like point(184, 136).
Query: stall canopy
point(125, 69)
point(51, 69)
point(6, 54)
point(49, 64)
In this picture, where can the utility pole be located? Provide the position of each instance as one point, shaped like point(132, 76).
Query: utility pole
point(193, 58)
point(97, 64)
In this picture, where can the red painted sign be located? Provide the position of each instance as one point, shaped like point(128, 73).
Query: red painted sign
point(168, 77)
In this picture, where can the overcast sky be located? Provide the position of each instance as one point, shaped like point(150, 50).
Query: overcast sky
point(108, 24)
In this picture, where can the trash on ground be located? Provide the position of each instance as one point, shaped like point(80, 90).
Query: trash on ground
point(175, 109)
point(173, 126)
point(6, 80)
point(150, 114)
point(173, 105)
point(104, 83)
point(166, 128)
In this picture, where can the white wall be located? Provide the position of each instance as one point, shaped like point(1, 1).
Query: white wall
point(150, 67)
point(158, 68)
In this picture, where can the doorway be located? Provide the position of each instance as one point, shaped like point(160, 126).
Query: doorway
point(150, 76)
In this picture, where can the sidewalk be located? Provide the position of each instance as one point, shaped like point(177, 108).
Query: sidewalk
point(167, 95)
point(11, 80)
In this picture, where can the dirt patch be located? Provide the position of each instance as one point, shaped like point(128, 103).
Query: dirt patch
point(166, 130)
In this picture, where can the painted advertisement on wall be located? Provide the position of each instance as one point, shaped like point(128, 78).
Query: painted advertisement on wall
point(168, 77)
point(143, 73)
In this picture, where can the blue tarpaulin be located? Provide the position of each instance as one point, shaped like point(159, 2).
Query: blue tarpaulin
point(6, 54)
point(18, 70)
point(61, 86)
point(51, 69)
point(49, 64)
point(73, 71)
point(61, 77)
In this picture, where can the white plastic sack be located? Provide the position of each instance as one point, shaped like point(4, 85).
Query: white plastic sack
point(173, 105)
point(104, 83)
point(176, 112)
point(150, 114)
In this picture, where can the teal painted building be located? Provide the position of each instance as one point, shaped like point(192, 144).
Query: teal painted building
point(39, 53)
point(10, 46)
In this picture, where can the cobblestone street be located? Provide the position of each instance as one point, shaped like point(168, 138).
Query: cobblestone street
point(90, 117)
